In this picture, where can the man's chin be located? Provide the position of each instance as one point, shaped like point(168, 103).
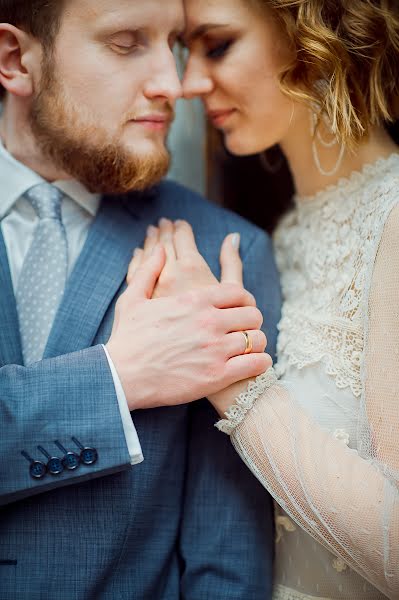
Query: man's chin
point(144, 147)
point(123, 174)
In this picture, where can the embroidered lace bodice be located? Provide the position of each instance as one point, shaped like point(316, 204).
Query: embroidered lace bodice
point(323, 438)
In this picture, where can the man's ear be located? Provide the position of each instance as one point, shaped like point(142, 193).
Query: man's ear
point(15, 60)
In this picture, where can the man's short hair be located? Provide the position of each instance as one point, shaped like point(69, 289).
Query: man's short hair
point(40, 18)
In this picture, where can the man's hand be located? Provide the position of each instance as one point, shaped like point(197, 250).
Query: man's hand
point(176, 349)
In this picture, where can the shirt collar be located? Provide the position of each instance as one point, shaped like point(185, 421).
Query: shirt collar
point(77, 191)
point(16, 179)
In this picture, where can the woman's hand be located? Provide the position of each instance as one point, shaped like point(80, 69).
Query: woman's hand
point(185, 269)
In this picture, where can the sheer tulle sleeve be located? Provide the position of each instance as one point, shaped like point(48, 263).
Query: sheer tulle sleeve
point(347, 499)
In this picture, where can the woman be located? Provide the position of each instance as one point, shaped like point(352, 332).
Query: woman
point(321, 430)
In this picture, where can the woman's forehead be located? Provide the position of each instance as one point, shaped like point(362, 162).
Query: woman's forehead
point(200, 13)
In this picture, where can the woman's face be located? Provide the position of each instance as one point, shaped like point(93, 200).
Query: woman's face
point(236, 53)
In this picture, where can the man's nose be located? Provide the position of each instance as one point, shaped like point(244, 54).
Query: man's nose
point(196, 81)
point(165, 82)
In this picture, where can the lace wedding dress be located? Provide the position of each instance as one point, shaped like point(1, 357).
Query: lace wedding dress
point(321, 430)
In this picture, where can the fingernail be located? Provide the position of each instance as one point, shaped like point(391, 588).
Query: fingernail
point(136, 252)
point(151, 231)
point(163, 222)
point(235, 240)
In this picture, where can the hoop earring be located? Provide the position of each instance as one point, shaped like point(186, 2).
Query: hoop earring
point(316, 136)
point(270, 168)
point(292, 113)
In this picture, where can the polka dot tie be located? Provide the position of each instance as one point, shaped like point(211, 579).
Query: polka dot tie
point(43, 276)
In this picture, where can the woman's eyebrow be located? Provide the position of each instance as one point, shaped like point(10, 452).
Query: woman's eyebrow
point(200, 31)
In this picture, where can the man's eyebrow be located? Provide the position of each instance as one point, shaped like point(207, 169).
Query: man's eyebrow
point(200, 31)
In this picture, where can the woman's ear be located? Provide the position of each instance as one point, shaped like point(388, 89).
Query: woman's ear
point(15, 75)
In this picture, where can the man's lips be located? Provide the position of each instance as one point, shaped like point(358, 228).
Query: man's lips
point(154, 121)
point(218, 117)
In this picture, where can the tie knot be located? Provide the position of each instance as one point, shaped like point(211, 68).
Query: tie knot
point(46, 200)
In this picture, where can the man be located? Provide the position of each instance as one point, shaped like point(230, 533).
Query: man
point(89, 88)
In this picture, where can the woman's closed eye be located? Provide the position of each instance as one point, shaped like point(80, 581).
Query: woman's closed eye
point(219, 50)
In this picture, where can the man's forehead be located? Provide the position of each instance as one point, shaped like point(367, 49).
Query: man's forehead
point(166, 13)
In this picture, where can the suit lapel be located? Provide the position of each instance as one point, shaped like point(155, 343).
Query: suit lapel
point(10, 341)
point(99, 273)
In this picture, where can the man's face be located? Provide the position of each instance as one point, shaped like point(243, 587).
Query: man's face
point(107, 94)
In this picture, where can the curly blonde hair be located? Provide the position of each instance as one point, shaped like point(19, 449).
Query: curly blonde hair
point(345, 60)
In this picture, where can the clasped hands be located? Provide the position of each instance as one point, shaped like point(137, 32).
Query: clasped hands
point(177, 333)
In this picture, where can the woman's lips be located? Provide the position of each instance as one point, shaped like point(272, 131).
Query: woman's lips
point(219, 117)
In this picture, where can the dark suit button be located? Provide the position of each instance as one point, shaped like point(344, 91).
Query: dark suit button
point(71, 461)
point(37, 469)
point(55, 466)
point(89, 456)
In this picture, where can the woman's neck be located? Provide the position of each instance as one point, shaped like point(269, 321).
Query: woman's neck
point(308, 179)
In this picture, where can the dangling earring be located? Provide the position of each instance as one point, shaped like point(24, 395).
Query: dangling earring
point(274, 168)
point(271, 168)
point(316, 136)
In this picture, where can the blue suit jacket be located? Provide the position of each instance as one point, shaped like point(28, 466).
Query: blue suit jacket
point(190, 522)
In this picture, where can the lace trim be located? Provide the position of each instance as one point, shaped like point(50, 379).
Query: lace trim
point(303, 342)
point(355, 179)
point(280, 592)
point(245, 401)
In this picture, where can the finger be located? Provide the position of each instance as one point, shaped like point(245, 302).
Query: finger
point(230, 260)
point(240, 319)
point(235, 343)
point(166, 233)
point(147, 275)
point(228, 295)
point(134, 264)
point(184, 239)
point(151, 240)
point(247, 366)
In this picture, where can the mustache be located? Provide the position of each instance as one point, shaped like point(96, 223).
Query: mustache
point(168, 113)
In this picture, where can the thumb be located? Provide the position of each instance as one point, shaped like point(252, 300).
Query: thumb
point(147, 274)
point(230, 260)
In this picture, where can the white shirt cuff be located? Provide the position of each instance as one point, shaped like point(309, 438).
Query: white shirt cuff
point(132, 439)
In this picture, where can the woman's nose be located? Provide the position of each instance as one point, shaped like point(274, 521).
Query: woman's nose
point(196, 82)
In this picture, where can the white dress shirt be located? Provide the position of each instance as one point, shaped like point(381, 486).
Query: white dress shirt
point(18, 221)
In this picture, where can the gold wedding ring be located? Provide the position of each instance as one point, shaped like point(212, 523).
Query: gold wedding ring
point(248, 342)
